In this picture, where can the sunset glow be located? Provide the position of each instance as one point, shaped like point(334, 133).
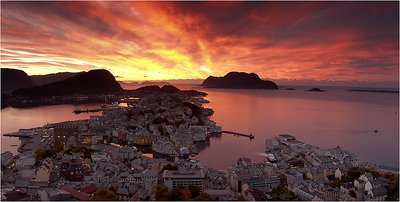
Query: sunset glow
point(191, 40)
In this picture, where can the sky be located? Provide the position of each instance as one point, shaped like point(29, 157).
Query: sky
point(325, 41)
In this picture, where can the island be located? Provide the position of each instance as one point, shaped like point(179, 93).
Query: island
point(239, 80)
point(316, 90)
point(374, 91)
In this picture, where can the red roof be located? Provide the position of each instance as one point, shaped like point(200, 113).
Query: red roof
point(75, 193)
point(91, 188)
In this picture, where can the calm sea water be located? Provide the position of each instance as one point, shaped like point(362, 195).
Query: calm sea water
point(325, 119)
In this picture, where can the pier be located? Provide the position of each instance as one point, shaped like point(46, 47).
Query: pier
point(16, 134)
point(251, 136)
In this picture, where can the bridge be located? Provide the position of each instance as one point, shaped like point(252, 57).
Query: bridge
point(251, 136)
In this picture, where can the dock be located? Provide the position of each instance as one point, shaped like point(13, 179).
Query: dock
point(251, 136)
point(16, 134)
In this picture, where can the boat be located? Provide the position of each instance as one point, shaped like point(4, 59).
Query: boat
point(78, 111)
point(271, 158)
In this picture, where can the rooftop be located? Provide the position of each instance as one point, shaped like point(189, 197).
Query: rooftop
point(183, 174)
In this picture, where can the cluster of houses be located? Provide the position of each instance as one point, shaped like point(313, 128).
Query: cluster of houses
point(170, 125)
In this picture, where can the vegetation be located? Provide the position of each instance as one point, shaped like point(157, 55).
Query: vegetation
point(104, 195)
point(393, 189)
point(241, 198)
point(169, 167)
point(281, 193)
point(180, 194)
point(48, 153)
point(353, 174)
point(86, 151)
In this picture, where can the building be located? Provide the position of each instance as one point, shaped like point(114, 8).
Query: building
point(43, 173)
point(343, 156)
point(75, 169)
point(183, 177)
point(199, 133)
point(219, 194)
point(129, 153)
point(6, 158)
point(289, 140)
point(182, 137)
point(163, 145)
point(65, 131)
point(318, 160)
point(25, 161)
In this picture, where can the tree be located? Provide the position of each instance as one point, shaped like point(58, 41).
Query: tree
point(241, 198)
point(161, 193)
point(185, 193)
point(174, 195)
point(169, 167)
point(58, 147)
point(39, 154)
point(203, 197)
point(282, 194)
point(104, 195)
point(194, 190)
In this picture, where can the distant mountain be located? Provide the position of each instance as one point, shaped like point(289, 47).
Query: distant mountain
point(155, 88)
point(13, 79)
point(134, 83)
point(93, 81)
point(167, 89)
point(238, 80)
point(51, 78)
point(151, 83)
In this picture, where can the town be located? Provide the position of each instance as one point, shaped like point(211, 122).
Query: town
point(143, 151)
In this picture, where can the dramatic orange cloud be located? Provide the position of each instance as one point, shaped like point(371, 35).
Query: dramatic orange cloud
point(339, 41)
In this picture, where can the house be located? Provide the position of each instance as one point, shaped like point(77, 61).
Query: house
point(75, 169)
point(123, 194)
point(338, 174)
point(163, 145)
point(182, 137)
point(304, 193)
point(150, 178)
point(343, 156)
point(17, 195)
point(378, 194)
point(6, 158)
point(44, 171)
point(129, 153)
point(100, 156)
point(220, 194)
point(81, 196)
point(89, 189)
point(199, 133)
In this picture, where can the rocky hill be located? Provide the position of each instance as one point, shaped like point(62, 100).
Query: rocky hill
point(13, 79)
point(93, 81)
point(239, 80)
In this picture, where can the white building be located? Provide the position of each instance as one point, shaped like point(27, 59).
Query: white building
point(43, 173)
point(25, 161)
point(183, 177)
